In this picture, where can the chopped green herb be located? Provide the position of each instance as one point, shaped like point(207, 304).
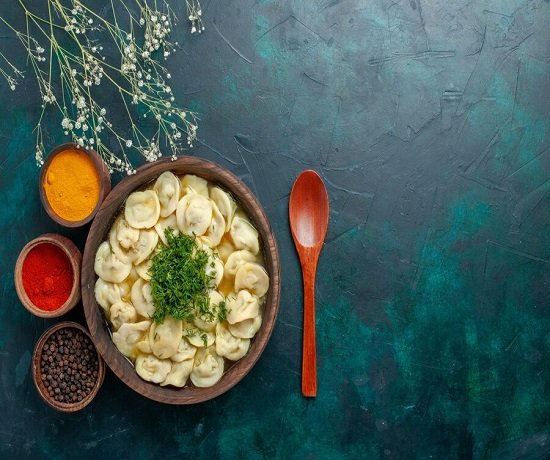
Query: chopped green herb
point(222, 311)
point(192, 332)
point(179, 281)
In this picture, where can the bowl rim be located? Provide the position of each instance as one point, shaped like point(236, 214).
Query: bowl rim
point(102, 222)
point(75, 258)
point(104, 184)
point(60, 406)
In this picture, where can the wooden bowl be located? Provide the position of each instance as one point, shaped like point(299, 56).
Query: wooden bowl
point(37, 374)
point(104, 184)
point(96, 322)
point(74, 256)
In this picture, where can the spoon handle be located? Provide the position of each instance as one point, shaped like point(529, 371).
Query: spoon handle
point(309, 354)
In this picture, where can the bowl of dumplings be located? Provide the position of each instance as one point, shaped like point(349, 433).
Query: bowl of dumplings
point(181, 280)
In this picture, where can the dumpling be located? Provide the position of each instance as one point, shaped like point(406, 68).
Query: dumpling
point(225, 249)
point(198, 338)
point(208, 322)
point(216, 229)
point(165, 337)
point(244, 235)
point(131, 245)
point(184, 352)
point(122, 312)
point(148, 240)
point(144, 346)
point(207, 369)
point(168, 188)
point(152, 369)
point(246, 329)
point(179, 374)
point(194, 214)
point(225, 204)
point(123, 239)
point(229, 346)
point(126, 235)
point(164, 223)
point(253, 277)
point(128, 336)
point(106, 294)
point(143, 269)
point(142, 298)
point(214, 268)
point(142, 209)
point(242, 306)
point(237, 260)
point(215, 299)
point(194, 184)
point(108, 266)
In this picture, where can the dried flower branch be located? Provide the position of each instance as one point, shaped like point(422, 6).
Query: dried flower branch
point(194, 14)
point(75, 36)
point(11, 78)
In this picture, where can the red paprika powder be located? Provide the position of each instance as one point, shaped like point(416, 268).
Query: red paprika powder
point(47, 276)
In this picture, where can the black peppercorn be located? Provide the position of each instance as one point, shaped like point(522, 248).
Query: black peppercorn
point(69, 366)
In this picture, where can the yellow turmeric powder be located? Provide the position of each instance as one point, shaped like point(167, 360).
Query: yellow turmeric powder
point(72, 185)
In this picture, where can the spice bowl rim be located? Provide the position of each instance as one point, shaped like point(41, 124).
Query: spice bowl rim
point(37, 353)
point(95, 319)
point(104, 183)
point(75, 258)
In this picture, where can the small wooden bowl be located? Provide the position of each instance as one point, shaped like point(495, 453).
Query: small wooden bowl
point(104, 184)
point(94, 317)
point(36, 373)
point(74, 256)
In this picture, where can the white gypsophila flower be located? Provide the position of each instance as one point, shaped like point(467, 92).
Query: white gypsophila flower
point(138, 76)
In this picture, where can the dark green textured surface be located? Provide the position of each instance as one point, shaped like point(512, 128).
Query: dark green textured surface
point(429, 121)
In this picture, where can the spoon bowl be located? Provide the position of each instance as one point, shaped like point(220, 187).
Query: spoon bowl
point(308, 211)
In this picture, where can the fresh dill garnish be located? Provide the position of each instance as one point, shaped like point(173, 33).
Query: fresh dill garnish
point(222, 311)
point(190, 332)
point(179, 281)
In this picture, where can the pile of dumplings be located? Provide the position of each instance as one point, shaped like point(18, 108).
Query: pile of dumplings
point(173, 351)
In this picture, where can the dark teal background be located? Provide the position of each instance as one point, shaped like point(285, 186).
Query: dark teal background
point(429, 122)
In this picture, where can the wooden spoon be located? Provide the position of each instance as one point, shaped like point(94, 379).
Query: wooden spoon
point(309, 212)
